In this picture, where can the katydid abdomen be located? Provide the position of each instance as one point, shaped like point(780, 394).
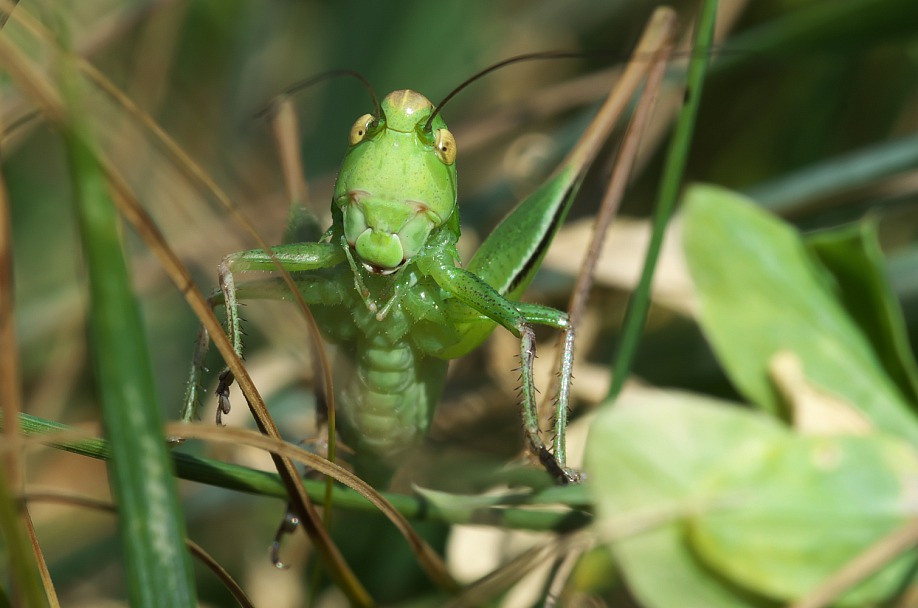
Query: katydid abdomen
point(386, 397)
point(387, 384)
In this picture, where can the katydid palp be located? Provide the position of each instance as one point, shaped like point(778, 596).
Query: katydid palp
point(385, 282)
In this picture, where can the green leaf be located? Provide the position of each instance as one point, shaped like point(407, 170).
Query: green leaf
point(649, 462)
point(706, 500)
point(852, 254)
point(839, 174)
point(761, 292)
point(788, 522)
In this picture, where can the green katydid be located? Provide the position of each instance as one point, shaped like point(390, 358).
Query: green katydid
point(385, 281)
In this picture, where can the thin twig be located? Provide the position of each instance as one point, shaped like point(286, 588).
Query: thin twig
point(863, 565)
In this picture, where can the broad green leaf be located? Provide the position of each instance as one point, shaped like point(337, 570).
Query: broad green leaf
point(783, 525)
point(704, 503)
point(852, 254)
point(761, 292)
point(815, 411)
point(649, 461)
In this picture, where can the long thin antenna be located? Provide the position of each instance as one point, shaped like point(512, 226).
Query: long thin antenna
point(538, 57)
point(497, 66)
point(308, 82)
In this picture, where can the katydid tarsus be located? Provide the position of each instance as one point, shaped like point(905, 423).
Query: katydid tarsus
point(386, 284)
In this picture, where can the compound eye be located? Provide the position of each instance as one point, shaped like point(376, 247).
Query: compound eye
point(445, 146)
point(360, 129)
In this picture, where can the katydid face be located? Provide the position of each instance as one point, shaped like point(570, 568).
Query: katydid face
point(397, 183)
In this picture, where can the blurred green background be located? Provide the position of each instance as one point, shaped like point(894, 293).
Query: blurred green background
point(797, 84)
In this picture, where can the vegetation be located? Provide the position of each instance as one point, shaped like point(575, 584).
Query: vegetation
point(761, 448)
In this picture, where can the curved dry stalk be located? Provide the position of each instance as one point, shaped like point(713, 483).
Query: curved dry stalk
point(10, 395)
point(193, 171)
point(300, 501)
point(427, 557)
point(182, 161)
point(285, 126)
point(225, 577)
point(862, 566)
point(651, 73)
point(488, 586)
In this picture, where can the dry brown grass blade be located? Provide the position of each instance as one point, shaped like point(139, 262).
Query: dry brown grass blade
point(78, 500)
point(228, 581)
point(7, 10)
point(489, 586)
point(656, 42)
point(285, 127)
point(110, 28)
point(619, 180)
point(284, 124)
point(34, 82)
point(188, 167)
point(553, 100)
point(427, 557)
point(862, 566)
point(10, 396)
point(657, 34)
point(47, 581)
point(631, 156)
point(182, 161)
point(192, 170)
point(299, 500)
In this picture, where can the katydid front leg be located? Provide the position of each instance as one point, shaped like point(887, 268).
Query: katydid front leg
point(292, 258)
point(518, 318)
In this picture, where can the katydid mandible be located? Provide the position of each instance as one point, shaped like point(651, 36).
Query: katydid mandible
point(386, 284)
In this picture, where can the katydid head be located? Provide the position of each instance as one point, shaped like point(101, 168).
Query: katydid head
point(397, 183)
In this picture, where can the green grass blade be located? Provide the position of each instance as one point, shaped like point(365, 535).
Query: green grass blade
point(252, 481)
point(676, 158)
point(842, 174)
point(845, 26)
point(157, 564)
